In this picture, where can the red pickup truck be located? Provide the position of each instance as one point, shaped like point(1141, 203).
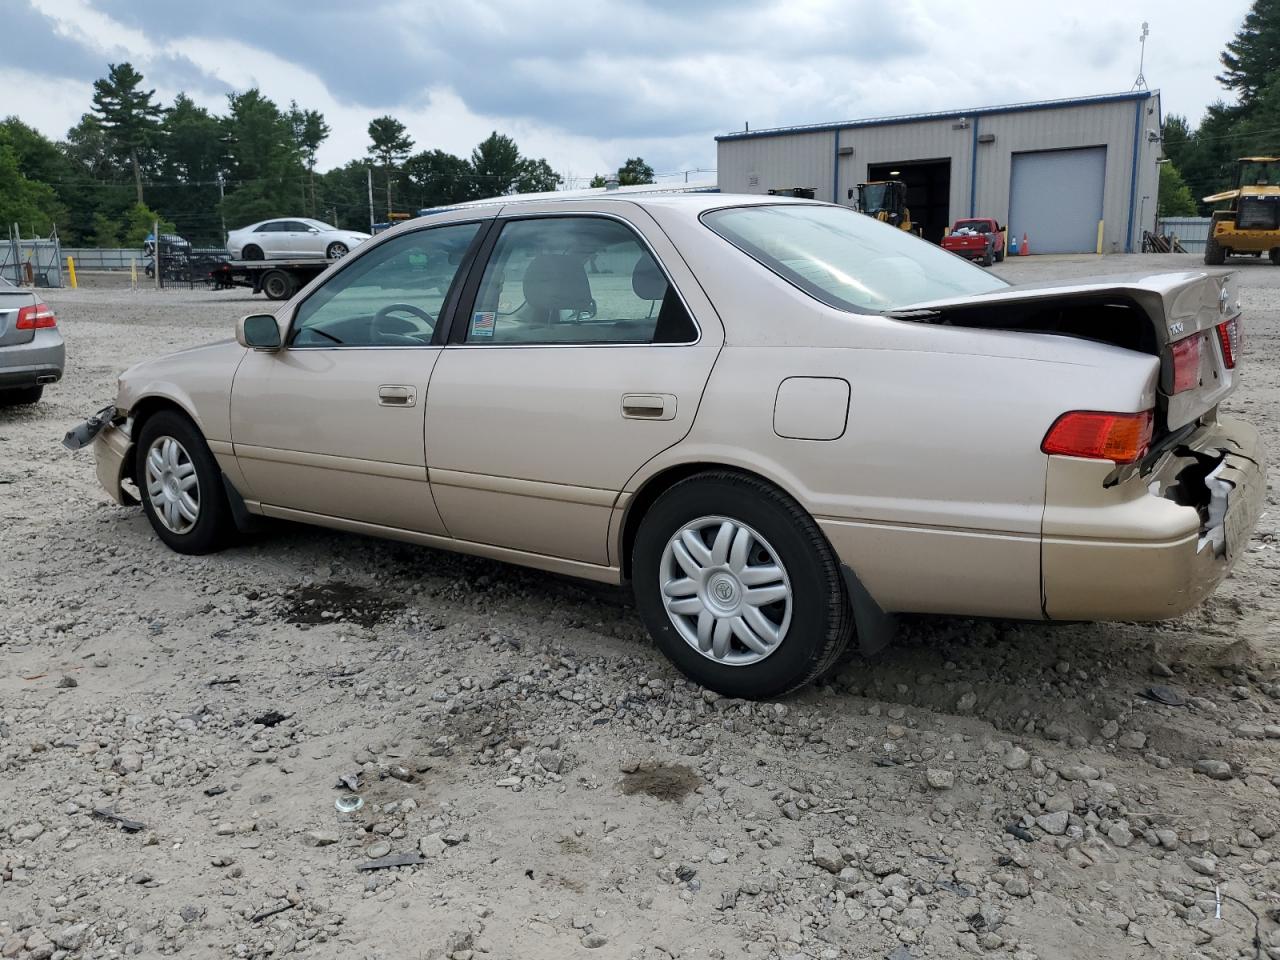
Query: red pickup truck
point(977, 238)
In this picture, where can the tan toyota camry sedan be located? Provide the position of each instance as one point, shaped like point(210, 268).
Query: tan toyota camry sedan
point(781, 422)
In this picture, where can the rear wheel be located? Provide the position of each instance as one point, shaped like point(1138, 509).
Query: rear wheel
point(21, 397)
point(1275, 256)
point(252, 252)
point(336, 250)
point(989, 258)
point(1214, 253)
point(739, 587)
point(277, 285)
point(181, 485)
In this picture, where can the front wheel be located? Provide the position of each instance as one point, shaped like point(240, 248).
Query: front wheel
point(739, 587)
point(1000, 255)
point(336, 250)
point(181, 485)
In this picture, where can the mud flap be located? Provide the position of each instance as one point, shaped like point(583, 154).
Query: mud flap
point(876, 629)
point(245, 521)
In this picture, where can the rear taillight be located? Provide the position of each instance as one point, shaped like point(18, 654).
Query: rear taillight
point(1095, 435)
point(36, 317)
point(1186, 364)
point(1229, 339)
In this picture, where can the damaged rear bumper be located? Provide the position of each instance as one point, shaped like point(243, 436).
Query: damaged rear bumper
point(1154, 545)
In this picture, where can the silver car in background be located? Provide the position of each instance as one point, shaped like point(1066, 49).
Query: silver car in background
point(31, 348)
point(300, 238)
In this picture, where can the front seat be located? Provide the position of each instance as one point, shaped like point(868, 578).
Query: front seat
point(555, 282)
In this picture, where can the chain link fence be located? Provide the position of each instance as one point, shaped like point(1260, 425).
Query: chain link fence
point(31, 261)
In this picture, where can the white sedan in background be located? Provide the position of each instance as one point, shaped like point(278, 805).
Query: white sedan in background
point(292, 240)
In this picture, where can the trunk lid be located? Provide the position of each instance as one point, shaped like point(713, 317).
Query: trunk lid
point(11, 301)
point(1160, 315)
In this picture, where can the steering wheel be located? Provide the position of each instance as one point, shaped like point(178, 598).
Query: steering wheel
point(391, 308)
point(399, 337)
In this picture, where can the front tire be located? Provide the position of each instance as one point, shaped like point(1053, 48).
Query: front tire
point(22, 396)
point(181, 485)
point(336, 250)
point(739, 587)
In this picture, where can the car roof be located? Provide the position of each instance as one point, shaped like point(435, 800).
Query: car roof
point(690, 203)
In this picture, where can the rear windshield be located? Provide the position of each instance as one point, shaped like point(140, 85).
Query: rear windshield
point(847, 259)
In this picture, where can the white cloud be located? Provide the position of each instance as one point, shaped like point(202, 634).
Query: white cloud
point(604, 80)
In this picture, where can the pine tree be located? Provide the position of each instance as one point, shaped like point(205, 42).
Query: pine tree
point(130, 117)
point(309, 130)
point(390, 144)
point(1252, 58)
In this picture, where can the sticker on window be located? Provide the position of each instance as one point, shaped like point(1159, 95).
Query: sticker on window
point(482, 324)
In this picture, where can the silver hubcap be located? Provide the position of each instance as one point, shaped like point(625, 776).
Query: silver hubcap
point(726, 591)
point(337, 251)
point(172, 485)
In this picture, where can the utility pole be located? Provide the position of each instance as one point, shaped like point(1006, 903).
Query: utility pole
point(221, 213)
point(369, 172)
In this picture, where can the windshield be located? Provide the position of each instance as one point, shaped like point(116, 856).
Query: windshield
point(872, 196)
point(847, 259)
point(1256, 173)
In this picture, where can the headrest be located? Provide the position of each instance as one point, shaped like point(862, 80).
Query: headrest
point(647, 280)
point(557, 281)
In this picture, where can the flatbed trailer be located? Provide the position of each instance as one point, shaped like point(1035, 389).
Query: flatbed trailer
point(278, 279)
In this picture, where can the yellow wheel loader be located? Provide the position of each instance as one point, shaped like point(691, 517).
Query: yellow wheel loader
point(1250, 224)
point(886, 200)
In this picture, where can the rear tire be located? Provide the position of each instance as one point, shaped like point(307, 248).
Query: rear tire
point(252, 252)
point(21, 397)
point(1275, 256)
point(798, 624)
point(336, 250)
point(989, 258)
point(190, 517)
point(1214, 253)
point(278, 285)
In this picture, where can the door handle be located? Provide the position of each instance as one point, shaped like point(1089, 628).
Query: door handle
point(394, 395)
point(649, 406)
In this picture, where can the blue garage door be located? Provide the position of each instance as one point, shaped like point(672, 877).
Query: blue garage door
point(1055, 198)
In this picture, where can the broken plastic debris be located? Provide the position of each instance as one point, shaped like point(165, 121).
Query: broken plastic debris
point(348, 803)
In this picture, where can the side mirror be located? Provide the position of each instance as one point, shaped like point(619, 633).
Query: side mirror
point(313, 229)
point(258, 331)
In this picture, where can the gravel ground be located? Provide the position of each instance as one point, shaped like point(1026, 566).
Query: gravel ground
point(980, 788)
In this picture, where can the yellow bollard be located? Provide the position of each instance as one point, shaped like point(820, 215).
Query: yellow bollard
point(1099, 250)
point(71, 272)
point(133, 274)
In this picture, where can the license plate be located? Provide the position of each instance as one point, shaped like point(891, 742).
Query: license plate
point(82, 434)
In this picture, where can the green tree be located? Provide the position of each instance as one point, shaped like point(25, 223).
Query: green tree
point(309, 131)
point(1252, 57)
point(106, 232)
point(1175, 198)
point(264, 162)
point(189, 164)
point(130, 116)
point(635, 171)
point(390, 144)
point(499, 169)
point(140, 222)
point(30, 204)
point(437, 178)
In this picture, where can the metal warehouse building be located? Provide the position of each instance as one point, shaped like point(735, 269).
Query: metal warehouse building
point(1053, 170)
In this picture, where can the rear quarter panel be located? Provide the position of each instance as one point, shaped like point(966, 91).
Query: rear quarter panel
point(935, 491)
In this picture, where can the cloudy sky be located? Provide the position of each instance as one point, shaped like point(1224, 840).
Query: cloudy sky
point(588, 84)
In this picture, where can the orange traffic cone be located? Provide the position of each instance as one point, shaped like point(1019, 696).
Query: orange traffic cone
point(1025, 247)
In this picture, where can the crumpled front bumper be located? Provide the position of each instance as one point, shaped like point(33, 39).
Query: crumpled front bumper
point(109, 433)
point(1158, 543)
